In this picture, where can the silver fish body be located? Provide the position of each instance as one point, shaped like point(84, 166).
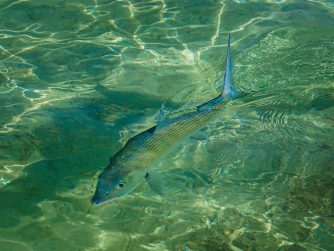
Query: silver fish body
point(131, 165)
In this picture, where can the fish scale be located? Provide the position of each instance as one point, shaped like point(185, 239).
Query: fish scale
point(159, 141)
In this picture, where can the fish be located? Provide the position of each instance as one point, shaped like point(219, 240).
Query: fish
point(134, 163)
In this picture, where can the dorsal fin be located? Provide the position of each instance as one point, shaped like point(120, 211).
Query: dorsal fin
point(228, 90)
point(160, 115)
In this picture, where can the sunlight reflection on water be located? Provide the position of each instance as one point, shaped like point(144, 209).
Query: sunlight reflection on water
point(77, 80)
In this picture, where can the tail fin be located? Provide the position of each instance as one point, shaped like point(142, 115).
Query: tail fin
point(229, 90)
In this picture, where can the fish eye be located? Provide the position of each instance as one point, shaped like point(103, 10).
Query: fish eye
point(121, 183)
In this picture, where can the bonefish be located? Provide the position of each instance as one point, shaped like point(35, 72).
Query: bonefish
point(132, 164)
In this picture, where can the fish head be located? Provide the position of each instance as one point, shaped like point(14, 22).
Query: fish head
point(114, 184)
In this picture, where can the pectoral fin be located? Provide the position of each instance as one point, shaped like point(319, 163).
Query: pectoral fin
point(155, 182)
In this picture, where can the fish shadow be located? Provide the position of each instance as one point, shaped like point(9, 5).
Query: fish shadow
point(74, 146)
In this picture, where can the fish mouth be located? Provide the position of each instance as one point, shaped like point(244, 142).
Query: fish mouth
point(96, 202)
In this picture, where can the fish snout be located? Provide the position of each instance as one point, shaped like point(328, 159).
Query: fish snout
point(96, 200)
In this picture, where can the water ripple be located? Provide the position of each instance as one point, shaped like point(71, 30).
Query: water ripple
point(77, 79)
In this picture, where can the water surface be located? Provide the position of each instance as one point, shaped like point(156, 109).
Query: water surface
point(79, 78)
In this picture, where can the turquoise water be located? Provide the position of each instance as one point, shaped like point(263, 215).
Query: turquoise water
point(79, 78)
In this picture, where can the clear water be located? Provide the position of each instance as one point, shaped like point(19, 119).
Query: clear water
point(79, 78)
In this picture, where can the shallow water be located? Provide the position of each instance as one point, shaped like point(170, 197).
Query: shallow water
point(77, 80)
